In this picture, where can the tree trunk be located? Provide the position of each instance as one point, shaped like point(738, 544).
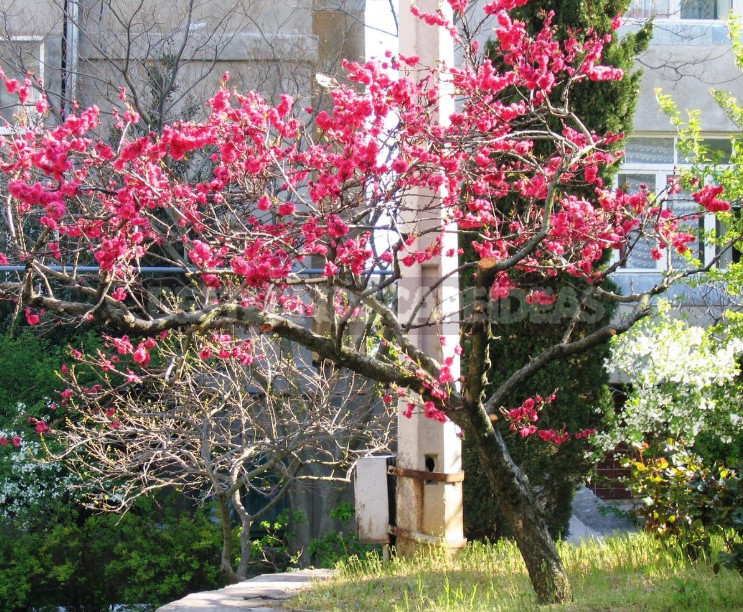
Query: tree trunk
point(225, 563)
point(519, 506)
point(521, 509)
point(246, 522)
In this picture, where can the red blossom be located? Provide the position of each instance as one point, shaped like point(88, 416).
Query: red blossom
point(41, 427)
point(141, 355)
point(31, 317)
point(707, 197)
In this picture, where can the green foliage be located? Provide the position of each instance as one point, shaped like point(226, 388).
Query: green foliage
point(338, 546)
point(29, 365)
point(687, 501)
point(148, 556)
point(270, 551)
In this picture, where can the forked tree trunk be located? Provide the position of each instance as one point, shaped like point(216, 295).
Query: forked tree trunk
point(246, 522)
point(521, 510)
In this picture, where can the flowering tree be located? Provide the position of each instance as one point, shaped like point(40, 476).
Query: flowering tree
point(296, 221)
point(247, 423)
point(30, 488)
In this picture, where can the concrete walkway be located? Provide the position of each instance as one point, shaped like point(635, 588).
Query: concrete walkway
point(591, 519)
point(262, 593)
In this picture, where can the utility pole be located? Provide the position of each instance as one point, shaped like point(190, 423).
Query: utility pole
point(429, 457)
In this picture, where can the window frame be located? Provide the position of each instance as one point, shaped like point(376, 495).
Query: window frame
point(674, 12)
point(661, 172)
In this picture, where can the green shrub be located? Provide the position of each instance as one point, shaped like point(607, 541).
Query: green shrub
point(338, 546)
point(147, 556)
point(686, 501)
point(270, 551)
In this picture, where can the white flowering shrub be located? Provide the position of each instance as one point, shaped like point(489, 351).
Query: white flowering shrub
point(684, 381)
point(29, 487)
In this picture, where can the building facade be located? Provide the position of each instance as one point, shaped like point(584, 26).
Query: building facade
point(690, 55)
point(170, 56)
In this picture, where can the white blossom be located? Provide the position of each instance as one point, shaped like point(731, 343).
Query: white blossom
point(28, 485)
point(683, 380)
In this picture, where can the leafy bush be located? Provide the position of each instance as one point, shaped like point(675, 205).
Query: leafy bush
point(31, 491)
point(685, 384)
point(270, 551)
point(685, 502)
point(30, 364)
point(338, 546)
point(92, 562)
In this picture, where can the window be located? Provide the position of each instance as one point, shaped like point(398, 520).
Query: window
point(19, 57)
point(649, 164)
point(679, 9)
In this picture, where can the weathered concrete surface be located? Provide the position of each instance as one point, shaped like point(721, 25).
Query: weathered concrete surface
point(260, 593)
point(591, 520)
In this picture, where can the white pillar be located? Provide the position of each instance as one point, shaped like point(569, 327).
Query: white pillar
point(429, 511)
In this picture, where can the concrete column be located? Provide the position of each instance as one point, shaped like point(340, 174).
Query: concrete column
point(429, 511)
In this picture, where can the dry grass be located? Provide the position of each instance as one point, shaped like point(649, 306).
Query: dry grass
point(620, 574)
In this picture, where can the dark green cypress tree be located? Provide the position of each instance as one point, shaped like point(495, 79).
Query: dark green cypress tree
point(521, 330)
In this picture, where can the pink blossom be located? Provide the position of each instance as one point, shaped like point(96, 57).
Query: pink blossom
point(41, 427)
point(31, 318)
point(119, 294)
point(540, 297)
point(141, 356)
point(605, 73)
point(337, 228)
point(123, 345)
point(42, 105)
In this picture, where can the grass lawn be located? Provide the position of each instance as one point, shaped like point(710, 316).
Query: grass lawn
point(620, 574)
